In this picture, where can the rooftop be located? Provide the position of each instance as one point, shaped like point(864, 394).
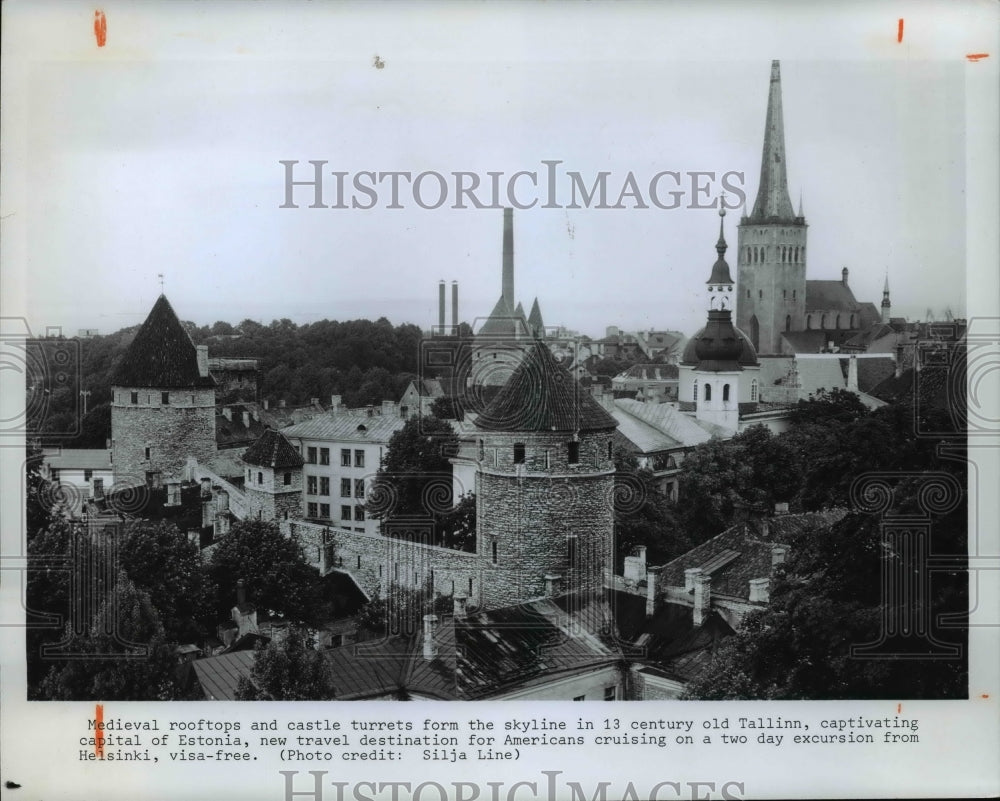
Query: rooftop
point(346, 428)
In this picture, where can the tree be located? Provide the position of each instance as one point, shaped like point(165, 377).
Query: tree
point(829, 406)
point(415, 477)
point(754, 469)
point(37, 493)
point(829, 597)
point(123, 656)
point(161, 560)
point(273, 569)
point(289, 669)
point(643, 515)
point(457, 526)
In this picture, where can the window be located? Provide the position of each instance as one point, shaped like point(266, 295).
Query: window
point(573, 456)
point(571, 548)
point(748, 293)
point(54, 474)
point(760, 294)
point(288, 479)
point(345, 457)
point(324, 510)
point(359, 513)
point(359, 488)
point(311, 455)
point(753, 390)
point(260, 477)
point(359, 458)
point(793, 294)
point(345, 488)
point(165, 398)
point(324, 485)
point(708, 392)
point(788, 322)
point(494, 551)
point(87, 475)
point(324, 456)
point(611, 693)
point(312, 510)
point(725, 392)
point(784, 294)
point(695, 395)
point(148, 452)
point(482, 451)
point(311, 485)
point(359, 561)
point(134, 398)
point(548, 460)
point(345, 512)
point(518, 453)
point(611, 449)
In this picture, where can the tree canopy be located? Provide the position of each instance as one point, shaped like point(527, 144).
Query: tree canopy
point(288, 669)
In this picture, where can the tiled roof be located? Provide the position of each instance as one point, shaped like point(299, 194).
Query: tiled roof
point(640, 436)
point(752, 542)
point(273, 450)
point(830, 296)
point(811, 341)
point(863, 339)
point(231, 432)
point(542, 396)
point(817, 374)
point(161, 354)
point(503, 648)
point(347, 428)
point(669, 420)
point(651, 372)
point(220, 675)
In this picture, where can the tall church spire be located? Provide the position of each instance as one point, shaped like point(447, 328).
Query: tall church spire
point(886, 303)
point(772, 194)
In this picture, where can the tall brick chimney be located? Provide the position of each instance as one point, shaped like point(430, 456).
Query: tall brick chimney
point(454, 308)
point(441, 307)
point(508, 257)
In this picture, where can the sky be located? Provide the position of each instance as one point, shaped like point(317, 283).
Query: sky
point(160, 153)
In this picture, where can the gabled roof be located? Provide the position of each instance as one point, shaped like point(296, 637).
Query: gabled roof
point(668, 420)
point(347, 428)
point(161, 355)
point(835, 296)
point(273, 450)
point(541, 395)
point(535, 324)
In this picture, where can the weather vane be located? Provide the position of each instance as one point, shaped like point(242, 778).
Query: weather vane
point(160, 276)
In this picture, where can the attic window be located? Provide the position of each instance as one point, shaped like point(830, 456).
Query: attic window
point(362, 428)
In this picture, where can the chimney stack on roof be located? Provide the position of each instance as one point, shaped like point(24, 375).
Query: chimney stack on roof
point(454, 308)
point(430, 634)
point(852, 374)
point(843, 276)
point(202, 360)
point(241, 592)
point(441, 307)
point(702, 595)
point(778, 554)
point(461, 606)
point(552, 584)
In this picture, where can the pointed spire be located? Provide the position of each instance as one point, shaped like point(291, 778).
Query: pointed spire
point(535, 323)
point(885, 289)
point(801, 213)
point(720, 270)
point(772, 193)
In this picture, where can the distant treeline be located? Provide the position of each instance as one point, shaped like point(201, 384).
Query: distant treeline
point(363, 361)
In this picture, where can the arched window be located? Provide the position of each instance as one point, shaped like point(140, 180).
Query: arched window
point(725, 393)
point(708, 392)
point(753, 391)
point(695, 392)
point(822, 322)
point(788, 322)
point(518, 453)
point(838, 321)
point(852, 321)
point(260, 477)
point(611, 449)
point(755, 332)
point(809, 321)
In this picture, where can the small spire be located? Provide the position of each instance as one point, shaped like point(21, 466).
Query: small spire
point(160, 276)
point(721, 246)
point(800, 204)
point(885, 289)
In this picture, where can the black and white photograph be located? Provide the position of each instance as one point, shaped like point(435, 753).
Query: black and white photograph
point(532, 353)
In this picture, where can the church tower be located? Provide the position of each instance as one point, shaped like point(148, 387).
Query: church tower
point(719, 372)
point(162, 402)
point(273, 483)
point(771, 257)
point(544, 486)
point(886, 304)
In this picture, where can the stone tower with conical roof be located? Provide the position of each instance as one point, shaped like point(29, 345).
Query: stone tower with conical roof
point(719, 372)
point(162, 402)
point(544, 486)
point(273, 482)
point(771, 257)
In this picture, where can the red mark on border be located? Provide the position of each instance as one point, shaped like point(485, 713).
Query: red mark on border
point(899, 31)
point(100, 28)
point(99, 731)
point(976, 56)
point(986, 695)
point(899, 708)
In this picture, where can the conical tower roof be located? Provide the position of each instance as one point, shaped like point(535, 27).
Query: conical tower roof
point(535, 324)
point(541, 396)
point(272, 449)
point(162, 354)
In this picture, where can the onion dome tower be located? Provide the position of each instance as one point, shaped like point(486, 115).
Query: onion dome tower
point(544, 486)
point(162, 402)
point(273, 483)
point(719, 368)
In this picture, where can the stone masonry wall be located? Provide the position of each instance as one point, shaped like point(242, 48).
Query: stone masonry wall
point(184, 427)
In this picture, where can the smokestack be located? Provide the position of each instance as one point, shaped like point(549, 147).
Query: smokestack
point(241, 593)
point(454, 308)
point(441, 307)
point(508, 257)
point(843, 276)
point(702, 596)
point(430, 644)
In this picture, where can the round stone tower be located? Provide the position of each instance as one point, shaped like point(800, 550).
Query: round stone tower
point(162, 402)
point(273, 483)
point(544, 486)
